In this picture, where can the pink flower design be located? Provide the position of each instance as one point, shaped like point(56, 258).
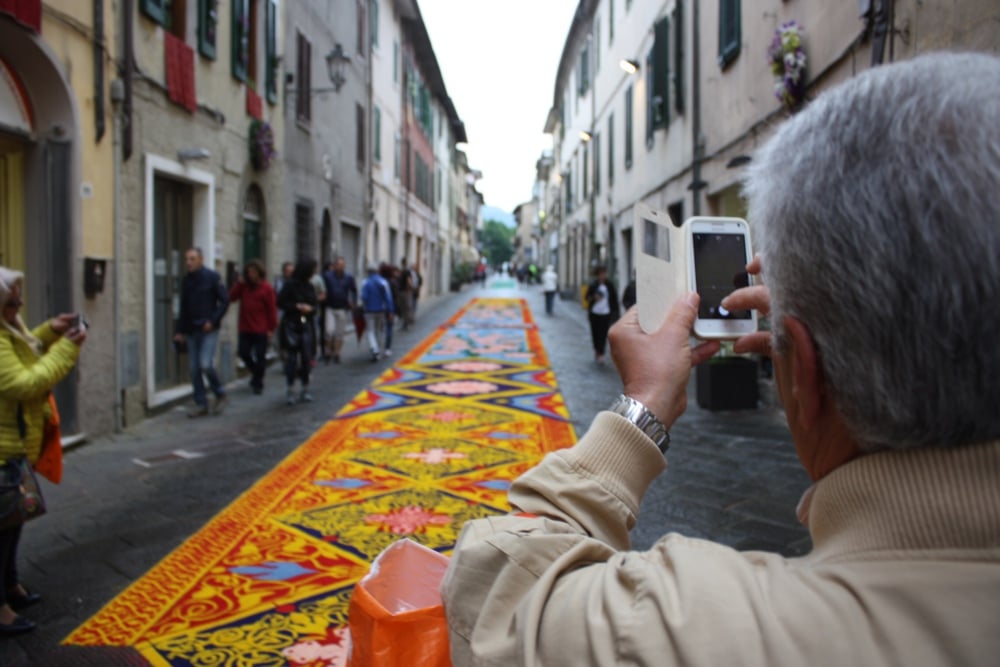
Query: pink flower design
point(472, 366)
point(409, 520)
point(462, 387)
point(435, 455)
point(449, 416)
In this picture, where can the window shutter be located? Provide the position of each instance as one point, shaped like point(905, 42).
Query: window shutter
point(661, 73)
point(360, 116)
point(729, 31)
point(651, 109)
point(373, 22)
point(611, 149)
point(628, 127)
point(155, 9)
point(377, 130)
point(677, 72)
point(241, 39)
point(208, 19)
point(271, 48)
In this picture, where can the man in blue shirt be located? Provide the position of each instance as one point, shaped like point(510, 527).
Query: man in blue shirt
point(204, 301)
point(341, 297)
point(377, 300)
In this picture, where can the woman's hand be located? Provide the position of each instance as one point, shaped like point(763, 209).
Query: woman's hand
point(304, 308)
point(61, 323)
point(77, 335)
point(655, 367)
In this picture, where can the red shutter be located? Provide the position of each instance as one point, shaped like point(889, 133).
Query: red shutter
point(179, 61)
point(27, 12)
point(187, 78)
point(255, 106)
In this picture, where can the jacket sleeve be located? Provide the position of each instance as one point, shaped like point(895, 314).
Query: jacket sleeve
point(184, 325)
point(236, 291)
point(271, 303)
point(352, 291)
point(19, 382)
point(548, 585)
point(221, 302)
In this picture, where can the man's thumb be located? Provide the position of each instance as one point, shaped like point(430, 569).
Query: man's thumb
point(684, 312)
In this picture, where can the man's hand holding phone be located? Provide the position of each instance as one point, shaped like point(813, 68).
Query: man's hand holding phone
point(758, 298)
point(655, 367)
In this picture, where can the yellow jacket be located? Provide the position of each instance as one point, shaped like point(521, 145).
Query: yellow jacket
point(25, 382)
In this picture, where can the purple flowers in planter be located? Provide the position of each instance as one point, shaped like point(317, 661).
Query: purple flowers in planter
point(262, 149)
point(788, 64)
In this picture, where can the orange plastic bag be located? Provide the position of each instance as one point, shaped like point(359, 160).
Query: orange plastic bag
point(50, 461)
point(396, 615)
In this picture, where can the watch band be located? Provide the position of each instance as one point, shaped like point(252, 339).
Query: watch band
point(644, 420)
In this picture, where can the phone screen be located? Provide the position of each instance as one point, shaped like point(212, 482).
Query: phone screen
point(719, 268)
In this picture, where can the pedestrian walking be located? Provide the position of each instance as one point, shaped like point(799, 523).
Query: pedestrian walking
point(390, 274)
point(550, 283)
point(204, 301)
point(376, 298)
point(319, 318)
point(418, 282)
point(258, 319)
point(404, 290)
point(602, 308)
point(298, 305)
point(628, 294)
point(341, 298)
point(32, 362)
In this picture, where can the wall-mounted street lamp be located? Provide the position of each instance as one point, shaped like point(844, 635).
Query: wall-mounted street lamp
point(336, 60)
point(186, 154)
point(585, 136)
point(630, 66)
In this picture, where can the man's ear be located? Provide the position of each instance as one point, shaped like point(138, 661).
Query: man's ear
point(807, 374)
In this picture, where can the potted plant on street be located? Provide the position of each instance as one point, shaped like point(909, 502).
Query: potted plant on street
point(727, 381)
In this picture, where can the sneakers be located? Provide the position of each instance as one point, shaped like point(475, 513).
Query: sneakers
point(388, 352)
point(198, 411)
point(290, 397)
point(305, 396)
point(374, 356)
point(220, 404)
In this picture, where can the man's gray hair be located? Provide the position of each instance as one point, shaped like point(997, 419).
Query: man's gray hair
point(876, 213)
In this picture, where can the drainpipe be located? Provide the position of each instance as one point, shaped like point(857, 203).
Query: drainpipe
point(696, 110)
point(117, 97)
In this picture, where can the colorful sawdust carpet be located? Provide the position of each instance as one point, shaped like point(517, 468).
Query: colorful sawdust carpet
point(433, 442)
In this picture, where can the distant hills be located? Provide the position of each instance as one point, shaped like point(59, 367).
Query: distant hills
point(498, 214)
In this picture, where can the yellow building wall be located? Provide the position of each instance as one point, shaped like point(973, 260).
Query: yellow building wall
point(67, 29)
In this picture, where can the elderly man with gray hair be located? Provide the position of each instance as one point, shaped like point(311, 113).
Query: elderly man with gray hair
point(876, 212)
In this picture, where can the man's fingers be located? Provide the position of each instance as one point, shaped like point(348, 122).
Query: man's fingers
point(758, 342)
point(754, 266)
point(754, 297)
point(704, 351)
point(683, 314)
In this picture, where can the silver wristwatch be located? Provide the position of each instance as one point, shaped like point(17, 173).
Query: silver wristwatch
point(644, 419)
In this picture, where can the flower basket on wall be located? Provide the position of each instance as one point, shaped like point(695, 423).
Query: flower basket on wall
point(262, 150)
point(787, 59)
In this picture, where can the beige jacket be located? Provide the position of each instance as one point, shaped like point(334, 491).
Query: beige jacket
point(905, 569)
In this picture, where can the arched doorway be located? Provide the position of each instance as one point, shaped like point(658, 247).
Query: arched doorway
point(326, 239)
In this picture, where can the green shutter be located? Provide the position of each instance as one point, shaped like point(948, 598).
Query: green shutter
point(378, 134)
point(677, 73)
point(208, 20)
point(373, 22)
point(661, 73)
point(271, 59)
point(240, 38)
point(155, 9)
point(729, 31)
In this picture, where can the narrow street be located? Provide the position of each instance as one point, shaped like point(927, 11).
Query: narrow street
point(128, 500)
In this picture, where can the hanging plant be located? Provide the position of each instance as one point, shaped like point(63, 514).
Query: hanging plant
point(262, 150)
point(788, 64)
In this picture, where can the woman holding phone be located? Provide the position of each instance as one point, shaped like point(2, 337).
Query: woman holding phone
point(32, 362)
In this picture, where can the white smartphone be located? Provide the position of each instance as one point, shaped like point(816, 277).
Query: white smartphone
point(718, 252)
point(661, 274)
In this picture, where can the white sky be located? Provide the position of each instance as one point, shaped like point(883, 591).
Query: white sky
point(499, 60)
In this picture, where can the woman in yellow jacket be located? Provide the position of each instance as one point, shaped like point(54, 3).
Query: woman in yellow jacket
point(31, 363)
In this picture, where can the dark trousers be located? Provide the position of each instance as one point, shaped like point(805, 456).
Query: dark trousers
point(298, 361)
point(550, 300)
point(9, 539)
point(252, 350)
point(599, 325)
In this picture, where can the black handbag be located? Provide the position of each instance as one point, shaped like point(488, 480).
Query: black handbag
point(292, 332)
point(20, 496)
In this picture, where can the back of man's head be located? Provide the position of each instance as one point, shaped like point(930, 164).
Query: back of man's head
point(876, 212)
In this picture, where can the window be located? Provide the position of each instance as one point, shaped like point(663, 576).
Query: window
point(677, 71)
point(611, 21)
point(361, 30)
point(241, 39)
point(208, 20)
point(377, 132)
point(584, 170)
point(373, 22)
point(597, 162)
point(359, 114)
point(628, 127)
point(661, 73)
point(729, 31)
point(304, 245)
point(271, 55)
point(396, 157)
point(395, 61)
point(170, 14)
point(611, 149)
point(583, 71)
point(251, 26)
point(597, 46)
point(303, 78)
point(650, 100)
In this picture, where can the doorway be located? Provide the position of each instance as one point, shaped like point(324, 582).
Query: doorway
point(253, 226)
point(172, 235)
point(350, 246)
